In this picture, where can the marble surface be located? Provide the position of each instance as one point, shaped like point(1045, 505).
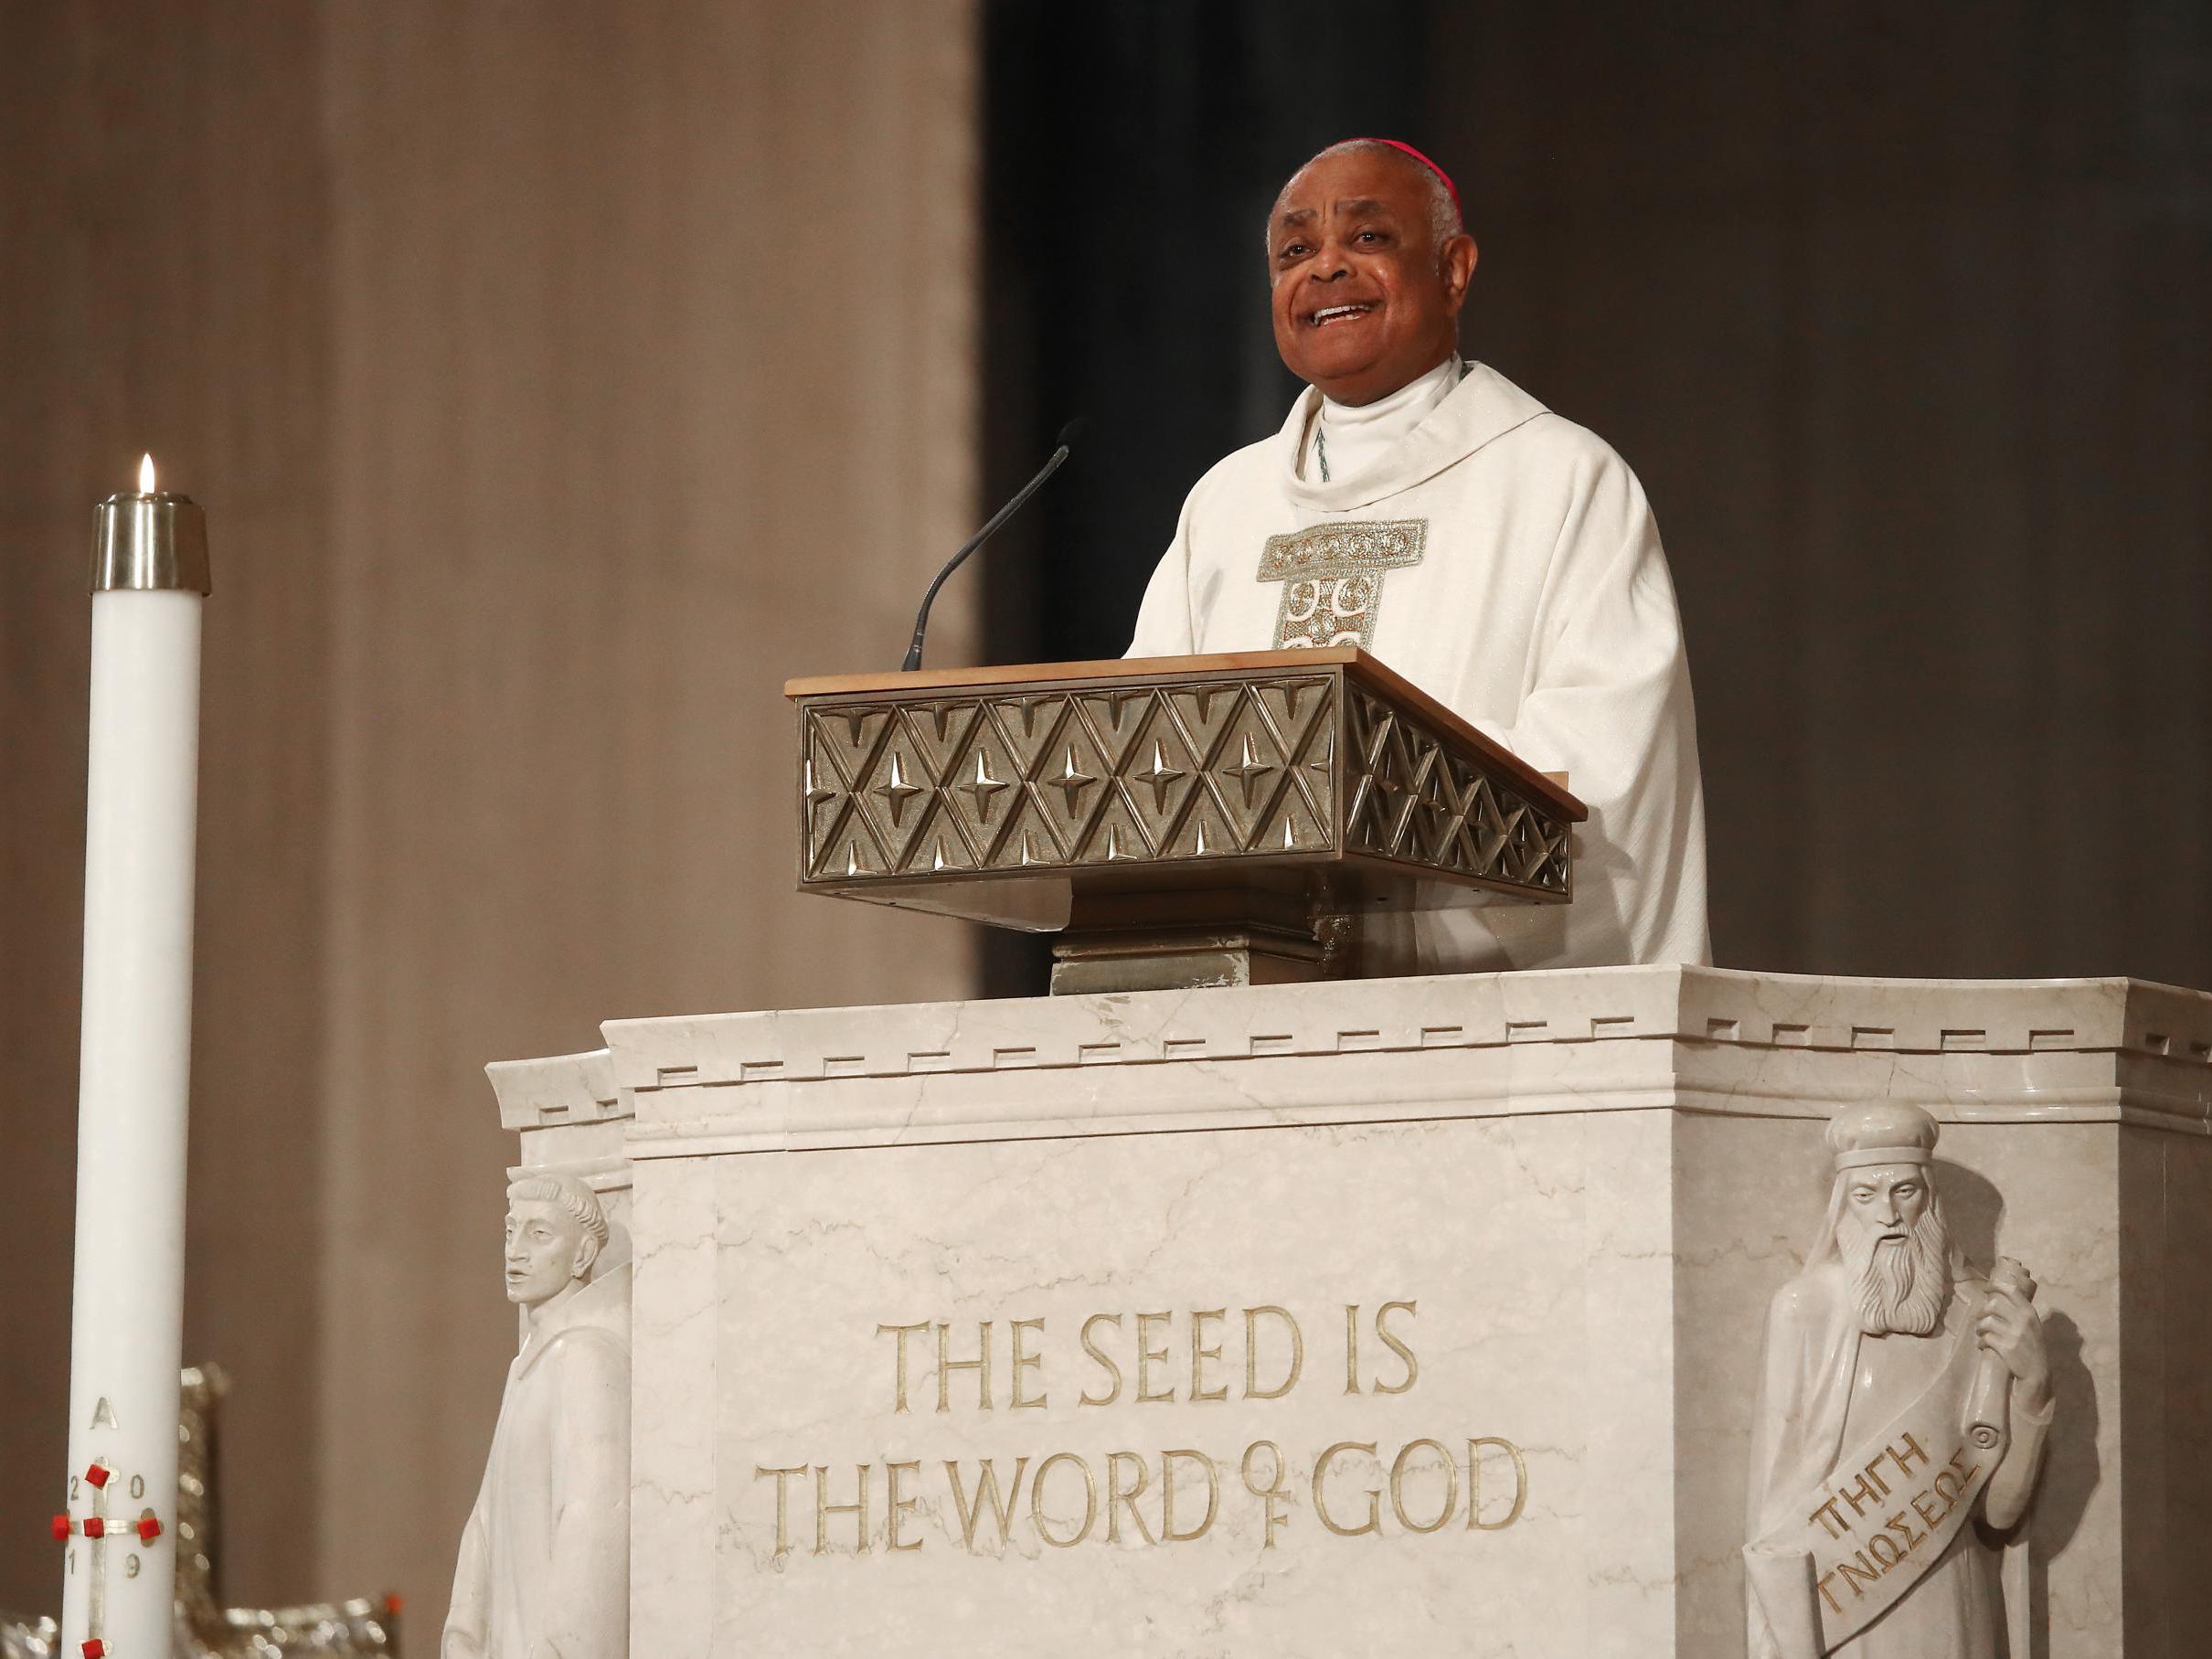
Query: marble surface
point(1587, 1184)
point(569, 1116)
point(779, 1362)
point(561, 1089)
point(1588, 1039)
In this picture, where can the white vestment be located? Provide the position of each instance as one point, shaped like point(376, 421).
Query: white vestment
point(1532, 599)
point(544, 1571)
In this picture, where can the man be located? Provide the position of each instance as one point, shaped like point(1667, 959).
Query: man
point(1507, 562)
point(544, 1570)
point(1881, 1357)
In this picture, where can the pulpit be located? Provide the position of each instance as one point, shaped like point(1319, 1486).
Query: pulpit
point(1229, 1302)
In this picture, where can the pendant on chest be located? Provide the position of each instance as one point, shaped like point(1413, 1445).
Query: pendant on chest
point(1332, 578)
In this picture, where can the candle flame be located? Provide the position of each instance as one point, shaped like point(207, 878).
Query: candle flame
point(145, 475)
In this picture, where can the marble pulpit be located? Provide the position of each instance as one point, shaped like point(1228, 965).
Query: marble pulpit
point(1416, 1316)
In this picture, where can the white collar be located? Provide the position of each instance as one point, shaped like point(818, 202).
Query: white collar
point(1348, 439)
point(1482, 407)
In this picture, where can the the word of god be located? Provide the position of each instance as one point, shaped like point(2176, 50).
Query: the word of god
point(1356, 1489)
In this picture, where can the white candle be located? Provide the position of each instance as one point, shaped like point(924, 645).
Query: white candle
point(149, 576)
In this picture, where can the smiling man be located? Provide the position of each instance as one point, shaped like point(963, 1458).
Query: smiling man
point(1505, 560)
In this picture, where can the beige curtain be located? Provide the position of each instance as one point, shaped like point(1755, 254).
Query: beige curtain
point(557, 381)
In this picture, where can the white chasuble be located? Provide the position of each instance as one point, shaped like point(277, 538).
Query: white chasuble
point(1505, 560)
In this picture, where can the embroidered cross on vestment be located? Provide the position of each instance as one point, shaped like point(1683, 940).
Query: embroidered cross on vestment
point(1332, 578)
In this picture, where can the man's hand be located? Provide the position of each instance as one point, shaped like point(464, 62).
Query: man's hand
point(2010, 1329)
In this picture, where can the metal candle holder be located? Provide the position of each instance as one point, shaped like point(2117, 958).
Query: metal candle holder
point(149, 541)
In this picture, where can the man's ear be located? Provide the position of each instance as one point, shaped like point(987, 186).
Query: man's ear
point(1458, 257)
point(586, 1252)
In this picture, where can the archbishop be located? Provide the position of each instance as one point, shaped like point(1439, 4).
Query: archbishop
point(1424, 508)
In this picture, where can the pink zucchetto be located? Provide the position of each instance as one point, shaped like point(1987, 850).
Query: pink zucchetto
point(1400, 145)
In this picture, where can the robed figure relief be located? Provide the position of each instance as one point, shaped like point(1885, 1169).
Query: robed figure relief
point(544, 1570)
point(1903, 1410)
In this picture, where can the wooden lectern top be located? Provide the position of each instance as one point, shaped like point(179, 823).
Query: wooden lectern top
point(1551, 788)
point(1177, 820)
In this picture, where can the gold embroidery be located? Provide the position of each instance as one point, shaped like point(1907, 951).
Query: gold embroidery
point(1332, 578)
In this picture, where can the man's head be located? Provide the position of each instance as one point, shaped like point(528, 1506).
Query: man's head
point(556, 1231)
point(1368, 266)
point(1886, 1221)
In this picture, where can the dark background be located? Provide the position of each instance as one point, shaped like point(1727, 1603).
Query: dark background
point(1903, 314)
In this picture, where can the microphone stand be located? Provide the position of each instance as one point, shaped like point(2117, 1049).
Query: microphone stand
point(921, 618)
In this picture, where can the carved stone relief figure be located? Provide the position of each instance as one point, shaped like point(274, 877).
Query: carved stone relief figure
point(544, 1570)
point(1903, 1408)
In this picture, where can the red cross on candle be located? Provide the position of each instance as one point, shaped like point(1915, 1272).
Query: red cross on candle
point(144, 1531)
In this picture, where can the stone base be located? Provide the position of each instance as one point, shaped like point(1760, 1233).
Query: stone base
point(1525, 1228)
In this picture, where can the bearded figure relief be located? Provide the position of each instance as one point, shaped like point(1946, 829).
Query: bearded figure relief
point(1903, 1408)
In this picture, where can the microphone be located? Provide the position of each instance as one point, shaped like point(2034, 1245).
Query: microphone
point(1065, 442)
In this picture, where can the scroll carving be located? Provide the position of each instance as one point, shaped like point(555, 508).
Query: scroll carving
point(1902, 1417)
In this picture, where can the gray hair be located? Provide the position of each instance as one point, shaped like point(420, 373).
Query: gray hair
point(571, 1195)
point(1444, 221)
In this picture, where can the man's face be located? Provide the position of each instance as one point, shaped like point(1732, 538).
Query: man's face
point(545, 1250)
point(1896, 1249)
point(1362, 300)
point(1887, 1200)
